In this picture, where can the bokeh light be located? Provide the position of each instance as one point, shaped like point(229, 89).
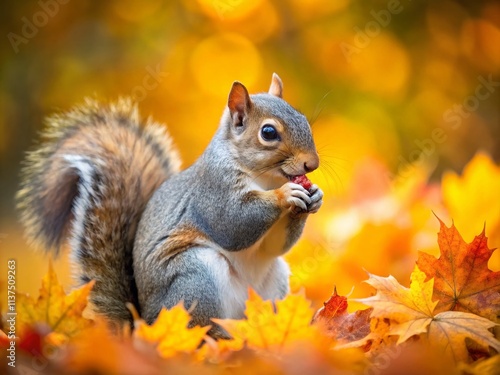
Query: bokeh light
point(398, 97)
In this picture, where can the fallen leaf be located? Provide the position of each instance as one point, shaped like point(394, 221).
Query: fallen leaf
point(474, 194)
point(377, 340)
point(449, 329)
point(266, 329)
point(98, 350)
point(60, 311)
point(462, 280)
point(411, 313)
point(338, 323)
point(489, 366)
point(170, 333)
point(218, 351)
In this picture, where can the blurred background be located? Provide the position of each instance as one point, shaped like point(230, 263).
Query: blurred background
point(403, 96)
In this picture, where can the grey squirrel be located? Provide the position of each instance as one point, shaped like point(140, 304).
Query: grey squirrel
point(153, 235)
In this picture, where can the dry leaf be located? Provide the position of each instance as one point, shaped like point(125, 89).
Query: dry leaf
point(462, 280)
point(170, 333)
point(97, 350)
point(339, 324)
point(489, 366)
point(472, 199)
point(411, 312)
point(60, 311)
point(266, 329)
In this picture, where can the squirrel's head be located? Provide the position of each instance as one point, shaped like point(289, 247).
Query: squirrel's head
point(269, 138)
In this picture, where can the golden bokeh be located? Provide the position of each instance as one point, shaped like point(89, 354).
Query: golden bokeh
point(216, 60)
point(398, 97)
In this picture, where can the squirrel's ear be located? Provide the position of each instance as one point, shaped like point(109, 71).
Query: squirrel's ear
point(276, 87)
point(239, 102)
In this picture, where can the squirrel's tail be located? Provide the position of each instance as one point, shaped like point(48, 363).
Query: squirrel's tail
point(89, 181)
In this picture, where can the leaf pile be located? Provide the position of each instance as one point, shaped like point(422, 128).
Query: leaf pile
point(444, 321)
point(447, 313)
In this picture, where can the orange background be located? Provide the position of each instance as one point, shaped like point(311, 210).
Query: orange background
point(390, 87)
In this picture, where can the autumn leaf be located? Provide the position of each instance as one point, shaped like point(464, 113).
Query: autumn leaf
point(411, 312)
point(98, 350)
point(377, 340)
point(170, 333)
point(338, 323)
point(462, 280)
point(60, 311)
point(489, 366)
point(266, 329)
point(474, 194)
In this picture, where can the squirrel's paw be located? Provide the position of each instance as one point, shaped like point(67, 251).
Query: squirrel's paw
point(295, 196)
point(316, 199)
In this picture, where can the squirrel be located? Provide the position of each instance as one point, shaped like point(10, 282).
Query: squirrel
point(152, 235)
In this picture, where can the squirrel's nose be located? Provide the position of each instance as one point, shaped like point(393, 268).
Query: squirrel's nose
point(311, 163)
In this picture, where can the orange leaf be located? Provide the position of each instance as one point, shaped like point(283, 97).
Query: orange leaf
point(97, 350)
point(474, 194)
point(266, 329)
point(170, 333)
point(411, 313)
point(462, 280)
point(60, 311)
point(341, 325)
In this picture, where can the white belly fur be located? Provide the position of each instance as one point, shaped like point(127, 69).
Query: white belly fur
point(259, 267)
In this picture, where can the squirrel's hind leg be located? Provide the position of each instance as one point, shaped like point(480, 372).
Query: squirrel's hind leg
point(188, 277)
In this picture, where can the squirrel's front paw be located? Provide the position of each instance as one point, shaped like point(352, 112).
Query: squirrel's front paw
point(316, 199)
point(295, 197)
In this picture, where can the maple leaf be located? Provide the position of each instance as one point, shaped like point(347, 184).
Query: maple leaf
point(60, 311)
point(378, 339)
point(411, 312)
point(170, 333)
point(217, 351)
point(468, 196)
point(338, 323)
point(265, 329)
point(462, 280)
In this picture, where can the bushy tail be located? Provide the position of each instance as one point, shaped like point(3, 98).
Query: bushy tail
point(89, 181)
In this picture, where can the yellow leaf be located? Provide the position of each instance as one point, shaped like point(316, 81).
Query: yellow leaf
point(475, 195)
point(451, 328)
point(98, 350)
point(490, 366)
point(411, 312)
point(60, 311)
point(378, 339)
point(410, 307)
point(170, 333)
point(217, 351)
point(266, 329)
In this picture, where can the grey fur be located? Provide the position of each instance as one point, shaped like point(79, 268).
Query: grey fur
point(229, 216)
point(90, 181)
point(122, 232)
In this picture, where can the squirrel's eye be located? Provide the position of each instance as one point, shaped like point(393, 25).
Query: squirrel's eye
point(269, 133)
